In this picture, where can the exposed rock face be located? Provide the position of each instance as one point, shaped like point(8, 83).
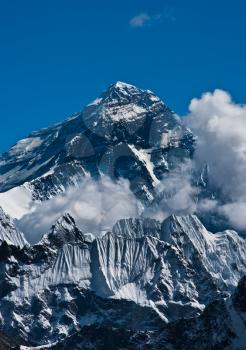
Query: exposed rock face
point(220, 326)
point(7, 342)
point(136, 228)
point(62, 232)
point(144, 284)
point(8, 231)
point(126, 132)
point(239, 298)
point(139, 277)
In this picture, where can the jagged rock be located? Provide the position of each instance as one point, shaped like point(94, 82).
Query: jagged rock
point(219, 254)
point(137, 228)
point(62, 232)
point(221, 326)
point(126, 132)
point(239, 297)
point(8, 231)
point(162, 272)
point(146, 284)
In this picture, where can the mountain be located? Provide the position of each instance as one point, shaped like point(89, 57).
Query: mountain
point(220, 326)
point(143, 283)
point(140, 276)
point(126, 132)
point(7, 342)
point(8, 231)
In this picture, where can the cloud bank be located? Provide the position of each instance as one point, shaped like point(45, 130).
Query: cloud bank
point(95, 206)
point(220, 125)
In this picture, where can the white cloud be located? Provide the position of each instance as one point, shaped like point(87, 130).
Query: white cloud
point(220, 125)
point(177, 193)
point(95, 206)
point(235, 212)
point(140, 20)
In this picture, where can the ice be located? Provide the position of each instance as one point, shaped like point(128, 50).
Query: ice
point(8, 231)
point(16, 202)
point(144, 156)
point(25, 145)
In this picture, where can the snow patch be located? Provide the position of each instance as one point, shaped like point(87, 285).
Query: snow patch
point(16, 202)
point(25, 145)
point(131, 291)
point(96, 102)
point(144, 156)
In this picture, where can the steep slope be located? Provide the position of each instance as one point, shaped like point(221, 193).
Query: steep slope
point(126, 132)
point(7, 342)
point(219, 253)
point(136, 228)
point(221, 326)
point(141, 276)
point(8, 231)
point(62, 232)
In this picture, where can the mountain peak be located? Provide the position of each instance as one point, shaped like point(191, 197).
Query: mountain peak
point(124, 103)
point(178, 230)
point(122, 92)
point(63, 231)
point(122, 85)
point(8, 231)
point(125, 132)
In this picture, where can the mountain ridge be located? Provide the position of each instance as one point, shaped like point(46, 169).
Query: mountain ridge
point(132, 268)
point(140, 148)
point(147, 283)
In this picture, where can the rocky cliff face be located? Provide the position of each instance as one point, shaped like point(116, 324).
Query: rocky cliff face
point(221, 326)
point(126, 132)
point(144, 284)
point(8, 231)
point(140, 276)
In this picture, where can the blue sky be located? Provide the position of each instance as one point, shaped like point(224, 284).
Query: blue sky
point(57, 55)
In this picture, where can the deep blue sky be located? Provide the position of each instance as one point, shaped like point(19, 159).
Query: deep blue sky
point(57, 55)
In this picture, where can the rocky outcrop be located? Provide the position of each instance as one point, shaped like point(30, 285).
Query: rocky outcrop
point(142, 275)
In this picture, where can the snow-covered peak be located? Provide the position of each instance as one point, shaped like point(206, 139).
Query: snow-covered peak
point(62, 232)
point(125, 124)
point(124, 93)
point(137, 228)
point(222, 251)
point(121, 91)
point(122, 87)
point(178, 229)
point(71, 281)
point(8, 231)
point(121, 102)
